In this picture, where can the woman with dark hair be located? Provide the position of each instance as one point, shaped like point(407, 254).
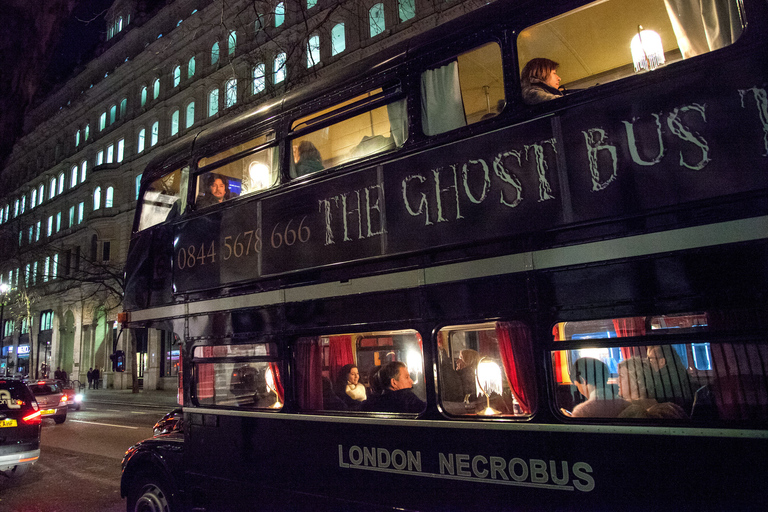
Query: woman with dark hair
point(349, 388)
point(540, 81)
point(307, 158)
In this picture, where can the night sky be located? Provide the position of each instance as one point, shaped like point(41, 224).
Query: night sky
point(41, 43)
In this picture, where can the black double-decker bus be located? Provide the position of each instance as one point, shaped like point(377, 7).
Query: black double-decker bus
point(570, 289)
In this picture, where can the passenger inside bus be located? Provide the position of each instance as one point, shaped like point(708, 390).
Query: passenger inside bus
point(398, 395)
point(670, 376)
point(349, 388)
point(540, 81)
point(216, 191)
point(307, 158)
point(466, 367)
point(590, 376)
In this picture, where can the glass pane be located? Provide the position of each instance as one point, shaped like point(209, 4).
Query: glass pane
point(592, 44)
point(247, 175)
point(407, 9)
point(259, 78)
point(376, 19)
point(338, 39)
point(365, 134)
point(630, 326)
point(368, 372)
point(464, 91)
point(279, 68)
point(486, 370)
point(313, 51)
point(244, 350)
point(258, 141)
point(159, 200)
point(698, 381)
point(253, 385)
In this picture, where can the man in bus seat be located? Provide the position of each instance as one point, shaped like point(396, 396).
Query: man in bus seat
point(590, 376)
point(670, 376)
point(398, 395)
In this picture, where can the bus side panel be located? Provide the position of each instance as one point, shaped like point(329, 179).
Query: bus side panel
point(391, 464)
point(687, 138)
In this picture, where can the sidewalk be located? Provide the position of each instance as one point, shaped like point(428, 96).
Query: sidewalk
point(161, 398)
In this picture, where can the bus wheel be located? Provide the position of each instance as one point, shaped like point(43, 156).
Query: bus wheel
point(149, 494)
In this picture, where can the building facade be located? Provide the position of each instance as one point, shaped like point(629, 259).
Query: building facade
point(70, 186)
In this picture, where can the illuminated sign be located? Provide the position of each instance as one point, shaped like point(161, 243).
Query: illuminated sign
point(23, 349)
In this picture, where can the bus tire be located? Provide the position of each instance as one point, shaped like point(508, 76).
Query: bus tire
point(150, 493)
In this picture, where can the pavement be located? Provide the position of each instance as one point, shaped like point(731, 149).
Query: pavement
point(160, 398)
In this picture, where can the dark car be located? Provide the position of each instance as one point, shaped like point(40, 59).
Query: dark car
point(51, 399)
point(20, 425)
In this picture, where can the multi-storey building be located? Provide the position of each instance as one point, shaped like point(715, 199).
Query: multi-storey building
point(70, 186)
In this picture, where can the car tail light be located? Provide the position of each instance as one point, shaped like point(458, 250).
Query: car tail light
point(63, 398)
point(33, 418)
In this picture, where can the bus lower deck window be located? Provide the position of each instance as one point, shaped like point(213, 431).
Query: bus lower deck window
point(486, 370)
point(354, 372)
point(661, 379)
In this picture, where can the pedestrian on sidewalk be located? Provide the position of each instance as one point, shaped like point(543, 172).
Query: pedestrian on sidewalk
point(90, 377)
point(96, 377)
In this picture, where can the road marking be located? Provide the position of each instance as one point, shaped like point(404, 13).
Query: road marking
point(138, 412)
point(104, 424)
point(113, 410)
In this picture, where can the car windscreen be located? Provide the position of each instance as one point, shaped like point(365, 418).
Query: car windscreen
point(45, 389)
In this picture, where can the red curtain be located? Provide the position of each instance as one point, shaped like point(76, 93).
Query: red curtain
point(339, 353)
point(205, 376)
point(309, 374)
point(625, 327)
point(517, 358)
point(278, 382)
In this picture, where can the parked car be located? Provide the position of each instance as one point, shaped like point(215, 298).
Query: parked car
point(20, 426)
point(51, 399)
point(171, 422)
point(74, 395)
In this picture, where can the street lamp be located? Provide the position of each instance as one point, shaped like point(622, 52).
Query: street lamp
point(4, 288)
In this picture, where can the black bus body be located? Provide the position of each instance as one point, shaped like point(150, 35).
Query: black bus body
point(625, 221)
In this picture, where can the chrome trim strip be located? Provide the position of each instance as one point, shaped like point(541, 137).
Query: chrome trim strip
point(494, 425)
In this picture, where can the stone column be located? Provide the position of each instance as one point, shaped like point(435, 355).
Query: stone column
point(154, 357)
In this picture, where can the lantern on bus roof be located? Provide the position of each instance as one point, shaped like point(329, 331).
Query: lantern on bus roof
point(647, 51)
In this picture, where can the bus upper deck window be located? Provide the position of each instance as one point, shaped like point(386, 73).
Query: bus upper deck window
point(592, 44)
point(486, 370)
point(164, 198)
point(468, 89)
point(368, 132)
point(255, 172)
